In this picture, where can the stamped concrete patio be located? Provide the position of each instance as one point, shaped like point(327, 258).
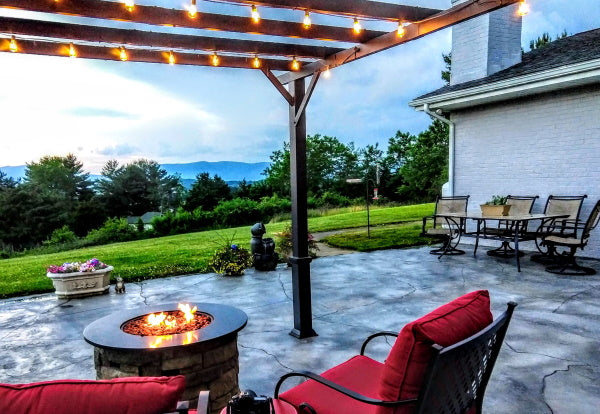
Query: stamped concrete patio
point(550, 362)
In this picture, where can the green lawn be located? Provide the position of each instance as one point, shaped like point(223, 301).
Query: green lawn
point(175, 255)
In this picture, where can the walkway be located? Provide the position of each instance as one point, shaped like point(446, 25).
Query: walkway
point(550, 362)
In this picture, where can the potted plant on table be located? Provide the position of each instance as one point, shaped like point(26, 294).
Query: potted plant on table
point(496, 206)
point(78, 279)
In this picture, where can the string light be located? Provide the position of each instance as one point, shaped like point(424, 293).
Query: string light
point(295, 64)
point(193, 9)
point(306, 22)
point(13, 47)
point(123, 54)
point(254, 14)
point(72, 51)
point(129, 5)
point(256, 62)
point(523, 8)
point(401, 30)
point(357, 26)
point(214, 59)
point(327, 73)
point(171, 58)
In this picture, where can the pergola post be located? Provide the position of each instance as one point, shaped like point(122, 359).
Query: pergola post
point(300, 259)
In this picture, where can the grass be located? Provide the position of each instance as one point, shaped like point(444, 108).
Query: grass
point(385, 237)
point(175, 255)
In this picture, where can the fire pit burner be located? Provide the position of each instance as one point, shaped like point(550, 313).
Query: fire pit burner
point(166, 323)
point(207, 357)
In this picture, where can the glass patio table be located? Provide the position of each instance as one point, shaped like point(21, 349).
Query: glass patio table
point(512, 232)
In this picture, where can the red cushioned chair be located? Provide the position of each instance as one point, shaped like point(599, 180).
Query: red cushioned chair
point(440, 363)
point(131, 395)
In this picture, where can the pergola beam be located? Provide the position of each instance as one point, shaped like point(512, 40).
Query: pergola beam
point(87, 33)
point(354, 8)
point(452, 16)
point(37, 47)
point(178, 18)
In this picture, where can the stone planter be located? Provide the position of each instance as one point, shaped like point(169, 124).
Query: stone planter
point(494, 210)
point(80, 284)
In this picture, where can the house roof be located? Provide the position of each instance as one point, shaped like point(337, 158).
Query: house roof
point(549, 61)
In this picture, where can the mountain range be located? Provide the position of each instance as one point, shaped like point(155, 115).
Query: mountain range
point(231, 171)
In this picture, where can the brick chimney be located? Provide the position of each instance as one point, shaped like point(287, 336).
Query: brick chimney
point(486, 44)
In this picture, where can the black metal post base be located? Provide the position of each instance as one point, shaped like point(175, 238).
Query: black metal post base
point(504, 251)
point(307, 333)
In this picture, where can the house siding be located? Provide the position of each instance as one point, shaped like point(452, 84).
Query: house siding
point(540, 145)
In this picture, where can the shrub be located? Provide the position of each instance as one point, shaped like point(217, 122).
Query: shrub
point(182, 222)
point(269, 207)
point(284, 243)
point(231, 260)
point(61, 235)
point(113, 230)
point(333, 199)
point(237, 212)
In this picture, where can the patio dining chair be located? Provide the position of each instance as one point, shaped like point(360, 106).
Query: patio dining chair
point(519, 205)
point(565, 262)
point(568, 205)
point(440, 363)
point(446, 230)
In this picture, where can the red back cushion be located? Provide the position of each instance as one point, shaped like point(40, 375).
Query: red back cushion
point(132, 395)
point(407, 363)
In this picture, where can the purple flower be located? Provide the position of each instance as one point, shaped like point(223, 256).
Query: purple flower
point(234, 247)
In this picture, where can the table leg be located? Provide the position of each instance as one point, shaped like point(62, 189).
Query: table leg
point(517, 223)
point(477, 237)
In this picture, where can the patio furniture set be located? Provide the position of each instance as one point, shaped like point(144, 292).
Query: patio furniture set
point(439, 363)
point(558, 232)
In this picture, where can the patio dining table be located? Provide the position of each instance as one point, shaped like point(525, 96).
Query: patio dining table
point(513, 233)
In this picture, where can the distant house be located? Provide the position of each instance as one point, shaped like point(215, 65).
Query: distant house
point(146, 219)
point(521, 125)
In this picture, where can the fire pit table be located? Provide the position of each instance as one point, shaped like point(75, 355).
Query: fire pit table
point(207, 357)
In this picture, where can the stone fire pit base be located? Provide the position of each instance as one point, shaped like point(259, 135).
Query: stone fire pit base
point(209, 366)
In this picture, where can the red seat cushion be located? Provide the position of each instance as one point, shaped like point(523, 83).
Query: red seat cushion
point(133, 395)
point(360, 374)
point(406, 365)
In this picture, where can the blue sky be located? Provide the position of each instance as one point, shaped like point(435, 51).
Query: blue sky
point(123, 110)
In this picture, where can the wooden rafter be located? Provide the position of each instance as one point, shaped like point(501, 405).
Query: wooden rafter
point(178, 18)
point(452, 16)
point(38, 47)
point(87, 33)
point(354, 8)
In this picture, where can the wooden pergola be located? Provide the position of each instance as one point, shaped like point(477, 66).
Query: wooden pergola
point(51, 31)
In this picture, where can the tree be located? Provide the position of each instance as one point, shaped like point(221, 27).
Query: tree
point(6, 182)
point(448, 67)
point(545, 39)
point(207, 192)
point(137, 188)
point(328, 161)
point(61, 176)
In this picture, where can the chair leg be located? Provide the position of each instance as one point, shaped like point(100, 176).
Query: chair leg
point(447, 248)
point(505, 251)
point(567, 265)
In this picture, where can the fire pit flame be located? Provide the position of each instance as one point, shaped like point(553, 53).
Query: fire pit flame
point(187, 312)
point(168, 323)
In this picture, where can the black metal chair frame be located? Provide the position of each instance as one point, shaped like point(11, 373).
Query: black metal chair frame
point(563, 228)
point(453, 228)
point(505, 231)
point(456, 378)
point(183, 407)
point(565, 263)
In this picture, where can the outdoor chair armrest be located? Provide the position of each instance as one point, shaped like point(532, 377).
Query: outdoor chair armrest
point(340, 389)
point(425, 222)
point(183, 407)
point(378, 334)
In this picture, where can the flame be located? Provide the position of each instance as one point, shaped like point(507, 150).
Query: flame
point(159, 340)
point(190, 337)
point(154, 319)
point(187, 312)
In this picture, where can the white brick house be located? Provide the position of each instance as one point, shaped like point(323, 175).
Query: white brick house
point(521, 127)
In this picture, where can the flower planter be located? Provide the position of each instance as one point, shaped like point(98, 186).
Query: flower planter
point(494, 210)
point(80, 284)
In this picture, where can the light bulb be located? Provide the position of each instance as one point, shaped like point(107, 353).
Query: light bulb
point(254, 14)
point(295, 64)
point(72, 51)
point(13, 47)
point(357, 26)
point(327, 73)
point(523, 8)
point(171, 58)
point(123, 54)
point(129, 5)
point(256, 62)
point(193, 9)
point(214, 59)
point(306, 22)
point(401, 30)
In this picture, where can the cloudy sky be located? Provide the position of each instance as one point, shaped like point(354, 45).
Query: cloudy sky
point(172, 114)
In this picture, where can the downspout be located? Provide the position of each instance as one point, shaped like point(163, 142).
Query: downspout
point(450, 146)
